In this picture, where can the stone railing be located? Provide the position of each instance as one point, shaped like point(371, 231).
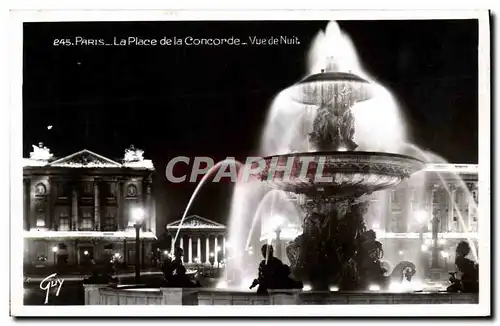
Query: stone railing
point(104, 295)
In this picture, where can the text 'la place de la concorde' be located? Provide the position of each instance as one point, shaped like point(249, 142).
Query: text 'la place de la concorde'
point(181, 41)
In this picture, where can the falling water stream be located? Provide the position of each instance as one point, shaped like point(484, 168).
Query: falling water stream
point(462, 185)
point(270, 196)
point(198, 187)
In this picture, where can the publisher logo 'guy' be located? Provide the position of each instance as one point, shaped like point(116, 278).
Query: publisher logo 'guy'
point(49, 283)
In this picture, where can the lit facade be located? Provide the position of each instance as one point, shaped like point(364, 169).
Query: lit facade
point(202, 240)
point(78, 208)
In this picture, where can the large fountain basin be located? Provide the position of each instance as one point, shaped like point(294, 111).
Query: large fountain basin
point(338, 174)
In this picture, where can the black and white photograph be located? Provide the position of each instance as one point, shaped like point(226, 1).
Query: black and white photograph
point(251, 163)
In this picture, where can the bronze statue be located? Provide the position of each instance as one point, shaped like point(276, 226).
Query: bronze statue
point(273, 274)
point(175, 273)
point(466, 278)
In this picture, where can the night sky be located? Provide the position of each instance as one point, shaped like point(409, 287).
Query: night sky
point(213, 101)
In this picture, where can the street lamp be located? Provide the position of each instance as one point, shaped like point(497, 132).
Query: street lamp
point(54, 250)
point(445, 256)
point(276, 223)
point(217, 252)
point(212, 258)
point(138, 217)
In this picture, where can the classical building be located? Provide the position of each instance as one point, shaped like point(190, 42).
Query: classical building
point(423, 219)
point(203, 240)
point(78, 208)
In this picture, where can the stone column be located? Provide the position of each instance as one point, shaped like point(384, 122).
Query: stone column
point(26, 202)
point(198, 251)
point(190, 250)
point(388, 211)
point(172, 244)
point(181, 241)
point(451, 208)
point(120, 219)
point(431, 207)
point(406, 209)
point(50, 216)
point(125, 251)
point(470, 208)
point(97, 215)
point(216, 255)
point(148, 209)
point(207, 250)
point(436, 219)
point(224, 246)
point(74, 209)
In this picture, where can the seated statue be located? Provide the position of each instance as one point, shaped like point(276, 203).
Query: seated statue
point(466, 278)
point(273, 274)
point(175, 273)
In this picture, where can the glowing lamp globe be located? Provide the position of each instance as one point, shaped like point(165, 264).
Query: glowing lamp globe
point(138, 215)
point(421, 216)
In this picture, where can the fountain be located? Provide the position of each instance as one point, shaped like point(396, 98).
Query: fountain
point(346, 138)
point(335, 248)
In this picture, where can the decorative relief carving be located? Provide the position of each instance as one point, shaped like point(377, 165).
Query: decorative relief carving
point(40, 189)
point(196, 222)
point(131, 190)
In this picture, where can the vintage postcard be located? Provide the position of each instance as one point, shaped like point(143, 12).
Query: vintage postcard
point(250, 161)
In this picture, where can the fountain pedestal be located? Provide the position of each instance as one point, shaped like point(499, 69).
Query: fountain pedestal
point(335, 248)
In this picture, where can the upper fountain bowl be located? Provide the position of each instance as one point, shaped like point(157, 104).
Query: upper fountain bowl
point(331, 87)
point(338, 174)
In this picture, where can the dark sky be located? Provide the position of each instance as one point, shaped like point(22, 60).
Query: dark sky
point(212, 101)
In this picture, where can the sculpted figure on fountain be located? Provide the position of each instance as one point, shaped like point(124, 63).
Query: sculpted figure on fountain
point(466, 278)
point(273, 274)
point(333, 128)
point(336, 248)
point(174, 271)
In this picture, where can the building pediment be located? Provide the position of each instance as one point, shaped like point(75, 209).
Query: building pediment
point(133, 159)
point(196, 222)
point(85, 159)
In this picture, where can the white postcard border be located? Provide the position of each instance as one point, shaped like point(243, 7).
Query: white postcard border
point(15, 73)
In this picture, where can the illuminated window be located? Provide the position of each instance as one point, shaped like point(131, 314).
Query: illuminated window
point(64, 224)
point(109, 223)
point(64, 221)
point(86, 224)
point(40, 221)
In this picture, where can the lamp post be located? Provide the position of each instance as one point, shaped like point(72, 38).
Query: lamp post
point(445, 255)
point(277, 221)
point(54, 250)
point(138, 217)
point(435, 247)
point(217, 252)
